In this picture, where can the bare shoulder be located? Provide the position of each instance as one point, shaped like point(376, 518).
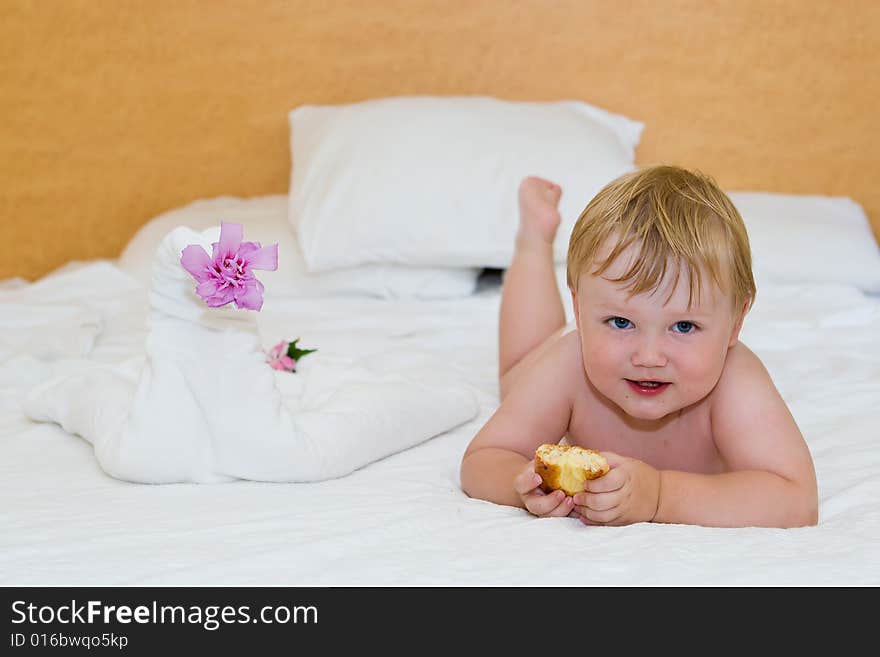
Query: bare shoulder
point(557, 367)
point(742, 368)
point(553, 357)
point(564, 358)
point(752, 425)
point(537, 406)
point(568, 347)
point(743, 380)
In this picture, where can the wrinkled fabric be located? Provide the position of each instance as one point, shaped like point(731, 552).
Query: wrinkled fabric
point(206, 407)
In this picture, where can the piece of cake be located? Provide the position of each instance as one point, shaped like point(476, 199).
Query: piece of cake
point(568, 467)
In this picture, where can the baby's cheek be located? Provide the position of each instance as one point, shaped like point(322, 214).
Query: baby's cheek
point(596, 364)
point(596, 354)
point(705, 373)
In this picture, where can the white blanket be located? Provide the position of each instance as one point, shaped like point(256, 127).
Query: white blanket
point(203, 406)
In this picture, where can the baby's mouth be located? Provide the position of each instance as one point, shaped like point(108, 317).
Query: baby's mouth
point(647, 385)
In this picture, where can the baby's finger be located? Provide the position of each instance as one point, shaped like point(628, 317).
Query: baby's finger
point(597, 501)
point(564, 508)
point(614, 460)
point(542, 505)
point(602, 517)
point(614, 480)
point(584, 519)
point(527, 480)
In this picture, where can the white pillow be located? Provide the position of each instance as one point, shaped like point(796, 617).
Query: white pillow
point(432, 181)
point(809, 239)
point(265, 220)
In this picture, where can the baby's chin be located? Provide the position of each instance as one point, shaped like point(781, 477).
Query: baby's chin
point(649, 410)
point(649, 414)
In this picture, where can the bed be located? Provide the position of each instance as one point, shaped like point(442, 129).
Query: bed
point(404, 520)
point(356, 280)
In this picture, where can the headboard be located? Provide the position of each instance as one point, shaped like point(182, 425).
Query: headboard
point(116, 111)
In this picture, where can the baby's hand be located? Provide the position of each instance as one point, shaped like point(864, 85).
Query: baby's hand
point(536, 501)
point(629, 493)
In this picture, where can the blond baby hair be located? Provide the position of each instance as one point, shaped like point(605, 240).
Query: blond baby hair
point(677, 218)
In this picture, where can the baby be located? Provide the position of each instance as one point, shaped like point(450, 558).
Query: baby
point(654, 375)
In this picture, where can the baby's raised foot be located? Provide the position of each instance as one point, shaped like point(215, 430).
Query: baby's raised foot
point(538, 213)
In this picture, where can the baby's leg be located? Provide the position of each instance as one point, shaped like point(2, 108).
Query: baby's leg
point(531, 308)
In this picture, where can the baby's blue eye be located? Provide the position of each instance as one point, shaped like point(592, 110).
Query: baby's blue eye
point(684, 327)
point(620, 322)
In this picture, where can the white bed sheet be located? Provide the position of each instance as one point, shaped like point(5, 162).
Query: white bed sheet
point(404, 520)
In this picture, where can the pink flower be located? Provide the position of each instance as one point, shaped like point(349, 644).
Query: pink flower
point(278, 358)
point(227, 275)
point(285, 355)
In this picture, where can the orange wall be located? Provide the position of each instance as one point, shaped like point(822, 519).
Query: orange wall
point(115, 111)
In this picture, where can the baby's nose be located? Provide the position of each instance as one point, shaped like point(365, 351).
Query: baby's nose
point(649, 353)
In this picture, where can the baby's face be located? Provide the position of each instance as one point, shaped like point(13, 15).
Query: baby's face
point(649, 357)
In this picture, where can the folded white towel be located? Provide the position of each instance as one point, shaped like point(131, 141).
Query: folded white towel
point(205, 406)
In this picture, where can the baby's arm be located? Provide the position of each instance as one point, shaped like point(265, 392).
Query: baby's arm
point(535, 411)
point(771, 480)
